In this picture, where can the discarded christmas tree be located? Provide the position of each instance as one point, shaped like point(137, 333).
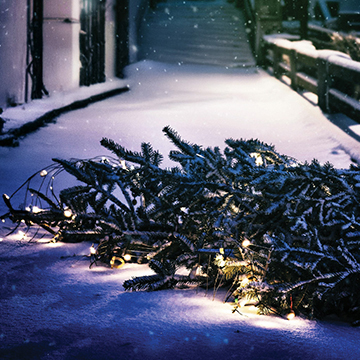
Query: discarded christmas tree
point(283, 233)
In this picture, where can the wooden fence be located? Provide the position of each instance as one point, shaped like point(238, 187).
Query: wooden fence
point(331, 75)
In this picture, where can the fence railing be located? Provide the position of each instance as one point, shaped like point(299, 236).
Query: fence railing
point(331, 75)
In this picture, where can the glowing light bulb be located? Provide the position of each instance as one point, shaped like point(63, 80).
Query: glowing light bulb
point(92, 250)
point(290, 315)
point(245, 281)
point(3, 220)
point(127, 257)
point(67, 213)
point(258, 158)
point(222, 263)
point(246, 243)
point(123, 164)
point(220, 260)
point(222, 252)
point(43, 173)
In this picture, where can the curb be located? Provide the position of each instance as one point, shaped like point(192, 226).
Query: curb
point(10, 138)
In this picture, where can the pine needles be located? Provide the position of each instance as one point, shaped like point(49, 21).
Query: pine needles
point(301, 221)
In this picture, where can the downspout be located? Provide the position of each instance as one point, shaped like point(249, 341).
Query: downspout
point(38, 88)
point(28, 45)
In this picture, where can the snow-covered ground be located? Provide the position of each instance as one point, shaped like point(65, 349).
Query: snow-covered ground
point(52, 306)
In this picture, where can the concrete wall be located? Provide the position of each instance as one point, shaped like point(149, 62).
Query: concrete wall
point(110, 57)
point(61, 52)
point(12, 51)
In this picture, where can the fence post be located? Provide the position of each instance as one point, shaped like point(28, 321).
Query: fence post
point(268, 21)
point(293, 68)
point(325, 79)
point(277, 60)
point(323, 83)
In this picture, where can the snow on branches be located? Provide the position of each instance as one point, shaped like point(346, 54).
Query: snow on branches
point(301, 222)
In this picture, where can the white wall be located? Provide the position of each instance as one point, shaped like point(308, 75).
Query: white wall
point(61, 54)
point(110, 50)
point(12, 51)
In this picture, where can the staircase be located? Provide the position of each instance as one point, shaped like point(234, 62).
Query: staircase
point(196, 32)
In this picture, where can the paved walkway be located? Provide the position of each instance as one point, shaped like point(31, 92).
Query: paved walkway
point(197, 32)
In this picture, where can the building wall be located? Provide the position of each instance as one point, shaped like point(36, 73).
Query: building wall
point(110, 40)
point(13, 19)
point(61, 50)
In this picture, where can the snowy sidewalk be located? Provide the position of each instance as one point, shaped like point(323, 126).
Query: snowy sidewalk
point(24, 119)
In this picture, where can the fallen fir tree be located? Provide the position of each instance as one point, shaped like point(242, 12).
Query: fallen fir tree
point(268, 228)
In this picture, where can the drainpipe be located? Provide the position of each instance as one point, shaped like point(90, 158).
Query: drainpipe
point(37, 57)
point(28, 42)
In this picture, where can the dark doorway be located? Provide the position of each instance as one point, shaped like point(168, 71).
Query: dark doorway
point(122, 36)
point(34, 53)
point(92, 42)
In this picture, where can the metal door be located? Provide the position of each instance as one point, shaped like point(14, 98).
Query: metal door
point(92, 42)
point(122, 36)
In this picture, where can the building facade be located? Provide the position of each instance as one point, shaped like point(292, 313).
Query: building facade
point(49, 46)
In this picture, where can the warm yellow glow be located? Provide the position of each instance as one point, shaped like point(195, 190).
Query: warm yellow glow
point(67, 213)
point(243, 302)
point(21, 234)
point(3, 220)
point(92, 250)
point(43, 173)
point(34, 209)
point(222, 263)
point(127, 257)
point(245, 281)
point(115, 265)
point(246, 243)
point(220, 260)
point(258, 158)
point(222, 251)
point(290, 315)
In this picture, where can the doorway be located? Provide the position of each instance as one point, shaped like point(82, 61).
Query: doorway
point(92, 42)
